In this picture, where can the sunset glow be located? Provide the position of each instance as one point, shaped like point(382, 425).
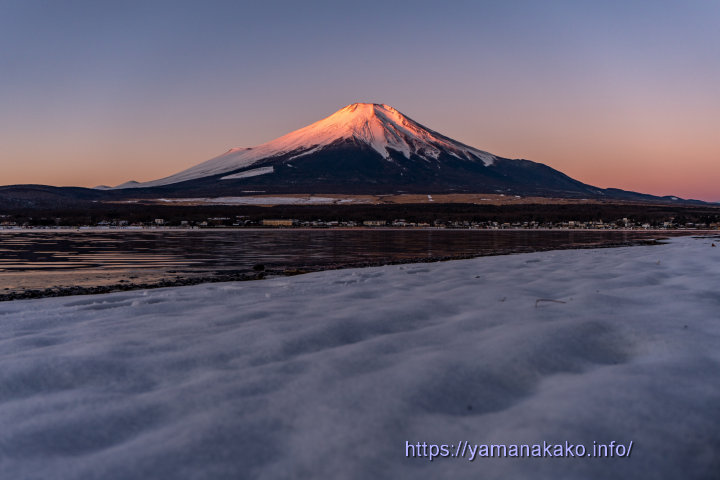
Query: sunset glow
point(612, 94)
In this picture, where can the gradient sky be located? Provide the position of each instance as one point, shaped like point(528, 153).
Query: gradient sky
point(614, 93)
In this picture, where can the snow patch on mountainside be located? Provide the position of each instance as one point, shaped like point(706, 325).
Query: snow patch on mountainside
point(249, 173)
point(269, 200)
point(379, 126)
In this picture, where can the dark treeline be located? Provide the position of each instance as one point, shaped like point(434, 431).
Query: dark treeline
point(94, 213)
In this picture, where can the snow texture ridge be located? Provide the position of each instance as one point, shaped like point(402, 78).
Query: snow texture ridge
point(327, 375)
point(379, 126)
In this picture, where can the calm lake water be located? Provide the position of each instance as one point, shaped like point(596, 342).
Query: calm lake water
point(34, 259)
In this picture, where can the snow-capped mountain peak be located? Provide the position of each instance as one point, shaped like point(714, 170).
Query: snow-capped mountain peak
point(378, 126)
point(383, 128)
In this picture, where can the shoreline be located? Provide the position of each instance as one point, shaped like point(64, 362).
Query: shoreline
point(678, 231)
point(579, 346)
point(261, 273)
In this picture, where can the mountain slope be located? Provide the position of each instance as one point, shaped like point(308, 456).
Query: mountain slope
point(380, 127)
point(363, 148)
point(352, 167)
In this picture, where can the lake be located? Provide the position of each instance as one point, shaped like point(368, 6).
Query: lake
point(40, 260)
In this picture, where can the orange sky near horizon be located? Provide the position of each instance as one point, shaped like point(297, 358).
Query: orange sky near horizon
point(661, 158)
point(613, 94)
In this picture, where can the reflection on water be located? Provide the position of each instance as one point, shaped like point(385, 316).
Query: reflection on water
point(40, 259)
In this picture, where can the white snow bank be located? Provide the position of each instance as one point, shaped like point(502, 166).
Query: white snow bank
point(327, 375)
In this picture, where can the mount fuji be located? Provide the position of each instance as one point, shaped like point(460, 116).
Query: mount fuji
point(379, 131)
point(363, 148)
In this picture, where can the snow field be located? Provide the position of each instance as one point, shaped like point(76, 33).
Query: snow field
point(327, 375)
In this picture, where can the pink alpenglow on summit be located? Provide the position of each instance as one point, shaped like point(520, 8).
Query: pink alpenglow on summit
point(368, 148)
point(377, 125)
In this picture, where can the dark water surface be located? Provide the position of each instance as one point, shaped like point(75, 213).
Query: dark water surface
point(34, 260)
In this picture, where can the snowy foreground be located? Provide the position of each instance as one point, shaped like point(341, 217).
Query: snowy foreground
point(327, 375)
